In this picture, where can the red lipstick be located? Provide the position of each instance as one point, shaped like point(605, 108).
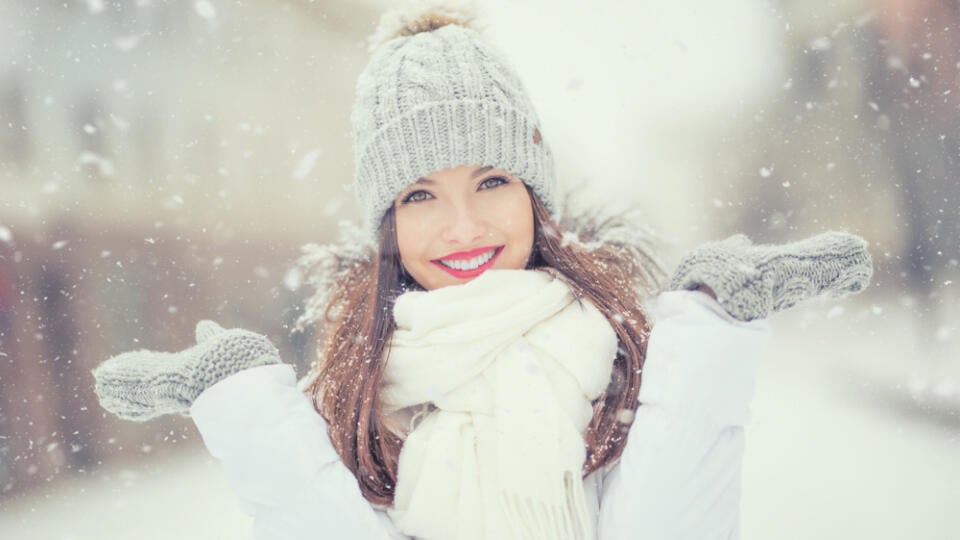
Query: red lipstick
point(464, 256)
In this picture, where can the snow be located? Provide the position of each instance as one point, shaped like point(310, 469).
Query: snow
point(104, 165)
point(836, 449)
point(184, 497)
point(838, 446)
point(205, 9)
point(126, 43)
point(94, 6)
point(307, 163)
point(821, 43)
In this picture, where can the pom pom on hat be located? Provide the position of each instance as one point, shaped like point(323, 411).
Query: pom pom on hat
point(422, 16)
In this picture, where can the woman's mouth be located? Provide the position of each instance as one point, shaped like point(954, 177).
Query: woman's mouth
point(468, 264)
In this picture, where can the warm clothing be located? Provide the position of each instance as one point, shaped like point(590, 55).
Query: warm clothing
point(503, 451)
point(753, 281)
point(142, 385)
point(678, 477)
point(430, 100)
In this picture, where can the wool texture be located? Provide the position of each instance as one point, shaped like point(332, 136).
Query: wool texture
point(439, 99)
point(753, 281)
point(513, 382)
point(140, 385)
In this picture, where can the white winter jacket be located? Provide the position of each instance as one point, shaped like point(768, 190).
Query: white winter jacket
point(678, 477)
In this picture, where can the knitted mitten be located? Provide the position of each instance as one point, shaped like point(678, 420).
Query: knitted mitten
point(140, 385)
point(751, 282)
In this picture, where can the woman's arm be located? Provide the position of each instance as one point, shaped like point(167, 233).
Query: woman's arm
point(272, 443)
point(679, 475)
point(277, 456)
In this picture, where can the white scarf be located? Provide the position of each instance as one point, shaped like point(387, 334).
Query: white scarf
point(512, 362)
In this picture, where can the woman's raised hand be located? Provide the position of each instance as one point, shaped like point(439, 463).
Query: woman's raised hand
point(753, 281)
point(140, 385)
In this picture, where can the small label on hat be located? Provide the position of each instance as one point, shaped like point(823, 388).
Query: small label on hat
point(536, 136)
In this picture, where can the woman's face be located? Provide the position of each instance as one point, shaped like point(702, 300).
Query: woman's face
point(455, 224)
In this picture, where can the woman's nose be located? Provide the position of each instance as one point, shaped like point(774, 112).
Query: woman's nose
point(463, 226)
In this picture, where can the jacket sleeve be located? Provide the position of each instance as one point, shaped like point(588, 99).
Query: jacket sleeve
point(679, 474)
point(279, 460)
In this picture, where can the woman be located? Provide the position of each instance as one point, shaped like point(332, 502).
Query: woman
point(486, 371)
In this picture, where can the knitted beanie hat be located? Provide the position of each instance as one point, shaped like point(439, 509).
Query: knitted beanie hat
point(436, 96)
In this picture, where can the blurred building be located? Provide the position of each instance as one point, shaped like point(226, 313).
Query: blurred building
point(160, 163)
point(864, 135)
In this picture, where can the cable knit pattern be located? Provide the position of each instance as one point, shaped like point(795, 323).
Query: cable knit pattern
point(140, 385)
point(436, 100)
point(752, 282)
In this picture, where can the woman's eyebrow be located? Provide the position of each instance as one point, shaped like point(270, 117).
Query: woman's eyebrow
point(480, 171)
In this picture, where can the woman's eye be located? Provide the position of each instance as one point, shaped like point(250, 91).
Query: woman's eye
point(493, 182)
point(417, 196)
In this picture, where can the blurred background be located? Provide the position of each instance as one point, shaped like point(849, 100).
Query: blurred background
point(162, 161)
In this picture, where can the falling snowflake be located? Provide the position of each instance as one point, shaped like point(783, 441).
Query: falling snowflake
point(205, 9)
point(307, 163)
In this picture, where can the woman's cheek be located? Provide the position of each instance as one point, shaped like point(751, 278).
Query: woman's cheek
point(416, 219)
point(509, 207)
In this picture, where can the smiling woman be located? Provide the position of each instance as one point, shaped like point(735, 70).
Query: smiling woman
point(459, 222)
point(481, 366)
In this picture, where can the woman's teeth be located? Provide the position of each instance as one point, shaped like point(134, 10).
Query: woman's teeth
point(470, 264)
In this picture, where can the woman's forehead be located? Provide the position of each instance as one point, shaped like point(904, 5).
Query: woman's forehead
point(463, 172)
point(471, 171)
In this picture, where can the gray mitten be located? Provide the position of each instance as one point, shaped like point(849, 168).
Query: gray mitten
point(140, 385)
point(751, 282)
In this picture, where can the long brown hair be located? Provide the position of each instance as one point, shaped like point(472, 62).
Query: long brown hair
point(346, 381)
